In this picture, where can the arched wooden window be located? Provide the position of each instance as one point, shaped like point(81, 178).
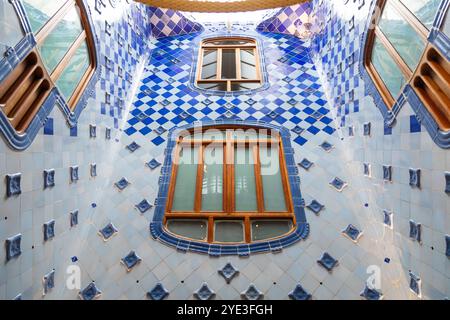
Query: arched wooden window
point(229, 185)
point(64, 57)
point(229, 64)
point(398, 53)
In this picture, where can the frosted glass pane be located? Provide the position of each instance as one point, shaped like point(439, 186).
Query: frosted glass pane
point(184, 194)
point(387, 69)
point(74, 71)
point(240, 86)
point(248, 64)
point(58, 42)
point(229, 231)
point(228, 64)
point(10, 27)
point(192, 229)
point(267, 229)
point(244, 183)
point(424, 10)
point(212, 186)
point(40, 11)
point(219, 86)
point(209, 67)
point(274, 200)
point(403, 37)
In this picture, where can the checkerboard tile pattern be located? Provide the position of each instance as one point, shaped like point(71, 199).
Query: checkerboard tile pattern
point(286, 20)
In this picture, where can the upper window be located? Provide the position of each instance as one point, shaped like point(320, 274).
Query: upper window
point(229, 186)
point(229, 64)
point(398, 53)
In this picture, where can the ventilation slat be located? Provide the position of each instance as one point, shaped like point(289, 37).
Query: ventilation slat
point(18, 89)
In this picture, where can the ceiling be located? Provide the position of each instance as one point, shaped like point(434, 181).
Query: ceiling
point(220, 5)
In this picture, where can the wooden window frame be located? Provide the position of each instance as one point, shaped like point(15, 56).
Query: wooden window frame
point(85, 36)
point(376, 32)
point(206, 45)
point(228, 211)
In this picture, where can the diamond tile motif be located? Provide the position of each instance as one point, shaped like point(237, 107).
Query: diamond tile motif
point(131, 260)
point(252, 293)
point(48, 281)
point(315, 206)
point(352, 233)
point(371, 294)
point(338, 184)
point(204, 293)
point(13, 184)
point(12, 246)
point(228, 272)
point(49, 178)
point(326, 146)
point(49, 230)
point(299, 294)
point(122, 184)
point(298, 130)
point(153, 164)
point(133, 147)
point(143, 206)
point(158, 292)
point(306, 164)
point(90, 292)
point(415, 231)
point(327, 261)
point(414, 178)
point(108, 231)
point(415, 284)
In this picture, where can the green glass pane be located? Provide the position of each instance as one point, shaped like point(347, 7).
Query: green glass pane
point(387, 69)
point(229, 231)
point(274, 200)
point(11, 31)
point(184, 194)
point(74, 71)
point(212, 186)
point(248, 64)
point(244, 180)
point(58, 42)
point(267, 229)
point(192, 229)
point(424, 10)
point(403, 37)
point(40, 11)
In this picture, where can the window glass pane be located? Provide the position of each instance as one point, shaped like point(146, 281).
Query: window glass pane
point(58, 42)
point(274, 200)
point(402, 36)
point(74, 71)
point(267, 229)
point(220, 86)
point(228, 64)
point(212, 187)
point(192, 229)
point(11, 31)
point(40, 11)
point(244, 184)
point(229, 231)
point(240, 86)
point(209, 67)
point(248, 64)
point(184, 194)
point(387, 68)
point(424, 10)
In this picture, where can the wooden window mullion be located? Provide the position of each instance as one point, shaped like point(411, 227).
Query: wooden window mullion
point(219, 63)
point(54, 20)
point(415, 23)
point(69, 54)
point(199, 180)
point(176, 161)
point(258, 178)
point(238, 64)
point(284, 174)
point(247, 228)
point(210, 229)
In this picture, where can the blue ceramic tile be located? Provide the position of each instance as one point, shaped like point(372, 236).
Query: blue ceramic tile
point(415, 284)
point(49, 281)
point(122, 184)
point(352, 233)
point(326, 146)
point(90, 292)
point(153, 164)
point(414, 124)
point(108, 133)
point(447, 246)
point(367, 129)
point(204, 292)
point(74, 218)
point(371, 294)
point(298, 130)
point(12, 246)
point(92, 131)
point(447, 182)
point(387, 173)
point(306, 164)
point(143, 206)
point(387, 218)
point(228, 272)
point(327, 261)
point(415, 231)
point(338, 184)
point(351, 131)
point(252, 293)
point(49, 178)
point(74, 177)
point(48, 127)
point(93, 170)
point(108, 231)
point(158, 292)
point(414, 178)
point(131, 260)
point(133, 146)
point(49, 230)
point(13, 184)
point(315, 206)
point(299, 294)
point(366, 169)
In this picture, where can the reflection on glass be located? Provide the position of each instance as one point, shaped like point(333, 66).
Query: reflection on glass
point(40, 11)
point(402, 36)
point(240, 86)
point(184, 194)
point(229, 231)
point(228, 64)
point(274, 200)
point(212, 186)
point(244, 176)
point(424, 10)
point(10, 27)
point(209, 66)
point(267, 229)
point(387, 69)
point(58, 42)
point(74, 71)
point(193, 229)
point(221, 86)
point(248, 64)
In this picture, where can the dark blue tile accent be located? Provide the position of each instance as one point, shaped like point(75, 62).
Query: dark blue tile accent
point(49, 178)
point(108, 231)
point(326, 146)
point(327, 261)
point(387, 130)
point(74, 131)
point(306, 164)
point(48, 127)
point(351, 131)
point(13, 184)
point(74, 174)
point(415, 231)
point(366, 169)
point(371, 294)
point(228, 272)
point(387, 218)
point(352, 233)
point(49, 281)
point(414, 124)
point(447, 182)
point(338, 184)
point(447, 246)
point(92, 131)
point(387, 173)
point(415, 284)
point(93, 170)
point(90, 292)
point(414, 178)
point(122, 184)
point(367, 129)
point(131, 260)
point(108, 133)
point(153, 164)
point(12, 246)
point(74, 218)
point(315, 206)
point(143, 206)
point(158, 292)
point(49, 230)
point(132, 147)
point(204, 292)
point(299, 294)
point(252, 293)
